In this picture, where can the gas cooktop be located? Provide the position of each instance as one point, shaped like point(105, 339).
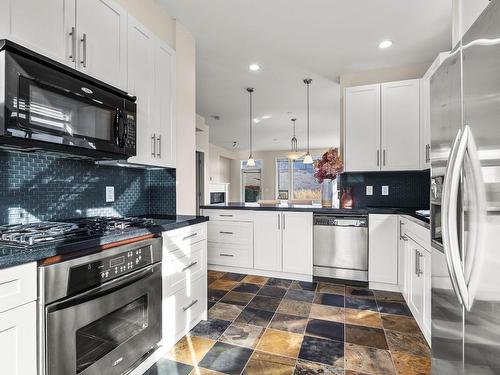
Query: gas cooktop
point(70, 230)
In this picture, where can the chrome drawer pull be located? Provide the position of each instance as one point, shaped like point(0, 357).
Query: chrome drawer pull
point(222, 232)
point(190, 236)
point(221, 215)
point(190, 305)
point(226, 255)
point(188, 267)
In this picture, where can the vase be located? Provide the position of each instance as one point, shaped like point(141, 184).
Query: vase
point(327, 193)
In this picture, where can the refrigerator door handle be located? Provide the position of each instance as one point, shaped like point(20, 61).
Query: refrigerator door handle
point(453, 236)
point(474, 253)
point(446, 198)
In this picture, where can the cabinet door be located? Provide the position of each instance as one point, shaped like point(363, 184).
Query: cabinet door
point(141, 83)
point(400, 126)
point(102, 34)
point(297, 230)
point(165, 104)
point(18, 340)
point(425, 123)
point(417, 284)
point(383, 249)
point(362, 128)
point(267, 241)
point(45, 29)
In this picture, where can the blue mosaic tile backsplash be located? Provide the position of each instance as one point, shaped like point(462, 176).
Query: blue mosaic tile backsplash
point(409, 189)
point(45, 187)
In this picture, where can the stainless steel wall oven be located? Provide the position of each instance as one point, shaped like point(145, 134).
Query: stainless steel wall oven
point(100, 313)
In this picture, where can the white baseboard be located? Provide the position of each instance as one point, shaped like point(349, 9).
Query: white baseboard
point(252, 271)
point(384, 286)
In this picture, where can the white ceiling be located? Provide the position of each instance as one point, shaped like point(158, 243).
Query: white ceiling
point(292, 40)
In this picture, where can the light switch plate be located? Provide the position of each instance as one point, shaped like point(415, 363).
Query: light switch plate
point(385, 190)
point(110, 194)
point(369, 190)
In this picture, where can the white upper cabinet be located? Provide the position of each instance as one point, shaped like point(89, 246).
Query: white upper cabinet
point(102, 40)
point(267, 241)
point(46, 29)
point(141, 65)
point(297, 230)
point(382, 127)
point(362, 128)
point(165, 104)
point(400, 125)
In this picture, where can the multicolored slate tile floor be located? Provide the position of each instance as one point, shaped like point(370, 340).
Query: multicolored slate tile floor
point(266, 326)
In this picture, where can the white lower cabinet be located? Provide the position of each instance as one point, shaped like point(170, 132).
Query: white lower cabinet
point(280, 245)
point(415, 273)
point(268, 241)
point(184, 274)
point(18, 339)
point(18, 335)
point(383, 251)
point(298, 242)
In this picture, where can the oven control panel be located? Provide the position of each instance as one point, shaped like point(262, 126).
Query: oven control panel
point(94, 273)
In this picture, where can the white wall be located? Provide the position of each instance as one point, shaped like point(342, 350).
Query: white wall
point(186, 120)
point(203, 145)
point(219, 164)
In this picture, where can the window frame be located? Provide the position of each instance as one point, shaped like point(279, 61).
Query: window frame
point(290, 175)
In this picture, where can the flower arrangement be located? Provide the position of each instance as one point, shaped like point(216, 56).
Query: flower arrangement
point(329, 166)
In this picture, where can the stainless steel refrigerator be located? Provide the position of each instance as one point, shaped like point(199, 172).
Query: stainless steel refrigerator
point(465, 203)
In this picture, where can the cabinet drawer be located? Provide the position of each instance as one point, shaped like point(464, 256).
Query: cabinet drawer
point(182, 238)
point(419, 233)
point(17, 286)
point(180, 308)
point(230, 232)
point(230, 255)
point(229, 215)
point(179, 268)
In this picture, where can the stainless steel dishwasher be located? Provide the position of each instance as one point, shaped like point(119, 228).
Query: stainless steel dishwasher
point(341, 247)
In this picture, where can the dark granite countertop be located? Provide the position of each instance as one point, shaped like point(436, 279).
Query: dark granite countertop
point(411, 212)
point(12, 256)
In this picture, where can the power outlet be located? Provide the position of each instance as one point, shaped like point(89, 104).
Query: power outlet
point(110, 194)
point(385, 190)
point(369, 190)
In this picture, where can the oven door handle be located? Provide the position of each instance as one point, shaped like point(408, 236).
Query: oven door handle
point(106, 288)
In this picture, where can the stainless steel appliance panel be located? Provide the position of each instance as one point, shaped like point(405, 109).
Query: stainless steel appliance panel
point(481, 91)
point(446, 126)
point(341, 247)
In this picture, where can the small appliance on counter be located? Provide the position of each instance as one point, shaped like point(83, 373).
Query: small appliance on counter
point(50, 107)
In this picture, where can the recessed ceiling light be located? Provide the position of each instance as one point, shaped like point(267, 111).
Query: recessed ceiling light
point(385, 44)
point(254, 67)
point(266, 117)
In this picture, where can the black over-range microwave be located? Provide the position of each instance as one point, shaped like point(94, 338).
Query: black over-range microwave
point(48, 106)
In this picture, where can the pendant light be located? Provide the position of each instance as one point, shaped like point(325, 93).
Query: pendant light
point(294, 154)
point(251, 161)
point(308, 158)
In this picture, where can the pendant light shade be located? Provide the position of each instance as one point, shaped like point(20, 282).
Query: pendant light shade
point(308, 158)
point(294, 154)
point(251, 161)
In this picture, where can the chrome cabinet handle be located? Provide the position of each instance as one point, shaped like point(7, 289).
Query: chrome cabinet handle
point(153, 145)
point(401, 236)
point(158, 139)
point(190, 236)
point(73, 44)
point(427, 153)
point(190, 265)
point(284, 222)
point(384, 156)
point(84, 45)
point(222, 215)
point(279, 221)
point(190, 305)
point(226, 255)
point(418, 268)
point(378, 158)
point(223, 232)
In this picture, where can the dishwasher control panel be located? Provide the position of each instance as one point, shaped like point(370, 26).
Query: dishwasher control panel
point(340, 221)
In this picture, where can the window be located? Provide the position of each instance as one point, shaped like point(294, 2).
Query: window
point(251, 181)
point(295, 180)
